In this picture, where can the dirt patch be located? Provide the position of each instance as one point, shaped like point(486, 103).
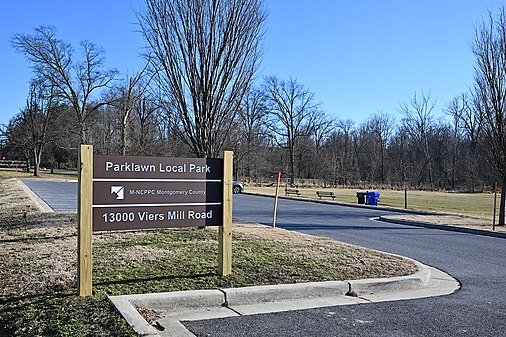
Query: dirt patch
point(137, 254)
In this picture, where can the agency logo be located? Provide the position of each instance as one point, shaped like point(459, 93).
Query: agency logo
point(119, 191)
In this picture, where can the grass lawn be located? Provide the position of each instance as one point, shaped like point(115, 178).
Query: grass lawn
point(43, 174)
point(479, 205)
point(38, 278)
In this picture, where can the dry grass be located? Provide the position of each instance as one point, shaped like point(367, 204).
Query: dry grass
point(6, 173)
point(478, 205)
point(365, 261)
point(38, 277)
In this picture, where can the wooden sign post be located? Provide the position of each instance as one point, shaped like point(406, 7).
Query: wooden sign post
point(84, 218)
point(136, 192)
point(225, 230)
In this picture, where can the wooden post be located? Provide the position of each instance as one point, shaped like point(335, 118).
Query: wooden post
point(496, 188)
point(278, 182)
point(225, 230)
point(84, 216)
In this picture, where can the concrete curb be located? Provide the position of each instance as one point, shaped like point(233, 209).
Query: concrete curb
point(401, 283)
point(127, 304)
point(284, 292)
point(204, 304)
point(444, 227)
point(132, 316)
point(181, 299)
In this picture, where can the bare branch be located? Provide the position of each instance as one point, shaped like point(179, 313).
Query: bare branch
point(206, 54)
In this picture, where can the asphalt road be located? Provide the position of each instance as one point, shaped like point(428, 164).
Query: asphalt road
point(478, 262)
point(60, 195)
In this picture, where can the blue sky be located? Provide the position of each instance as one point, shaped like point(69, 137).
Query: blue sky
point(358, 57)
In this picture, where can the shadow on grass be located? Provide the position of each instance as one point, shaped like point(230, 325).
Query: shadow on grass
point(38, 238)
point(63, 313)
point(35, 298)
point(156, 278)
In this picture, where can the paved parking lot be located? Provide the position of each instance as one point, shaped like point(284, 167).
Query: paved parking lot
point(60, 195)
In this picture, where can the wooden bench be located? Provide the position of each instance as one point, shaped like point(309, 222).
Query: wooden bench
point(289, 191)
point(322, 194)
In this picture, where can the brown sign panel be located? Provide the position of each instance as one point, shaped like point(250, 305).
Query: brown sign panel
point(125, 218)
point(155, 192)
point(132, 167)
point(134, 192)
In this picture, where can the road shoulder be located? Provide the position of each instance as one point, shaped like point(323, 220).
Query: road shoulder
point(446, 222)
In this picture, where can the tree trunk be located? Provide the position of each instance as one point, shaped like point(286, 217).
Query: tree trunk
point(83, 134)
point(123, 140)
point(502, 203)
point(124, 131)
point(382, 153)
point(35, 168)
point(37, 154)
point(27, 160)
point(292, 167)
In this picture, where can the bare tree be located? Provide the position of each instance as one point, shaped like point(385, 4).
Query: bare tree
point(145, 115)
point(489, 48)
point(338, 153)
point(320, 128)
point(130, 94)
point(205, 54)
point(418, 122)
point(252, 117)
point(468, 123)
point(18, 139)
point(291, 108)
point(31, 129)
point(382, 126)
point(53, 60)
point(37, 118)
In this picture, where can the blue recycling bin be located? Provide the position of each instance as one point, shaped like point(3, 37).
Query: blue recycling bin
point(372, 198)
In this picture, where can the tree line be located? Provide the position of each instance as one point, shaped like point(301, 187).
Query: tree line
point(278, 127)
point(196, 96)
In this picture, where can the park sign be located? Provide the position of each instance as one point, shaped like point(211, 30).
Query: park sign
point(134, 192)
